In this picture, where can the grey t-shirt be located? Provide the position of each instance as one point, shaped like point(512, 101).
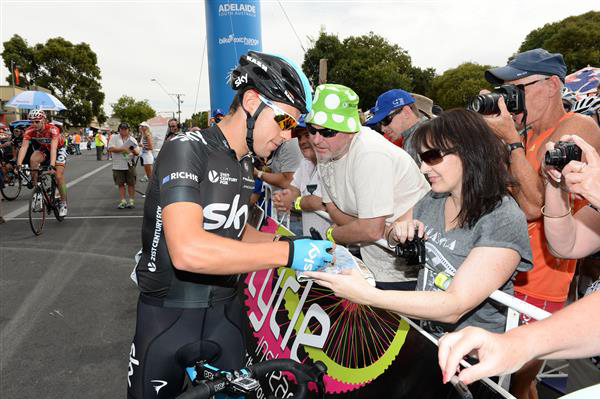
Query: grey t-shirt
point(504, 227)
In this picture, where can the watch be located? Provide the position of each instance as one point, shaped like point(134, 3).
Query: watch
point(514, 146)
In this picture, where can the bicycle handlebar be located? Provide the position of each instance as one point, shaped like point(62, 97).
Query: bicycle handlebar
point(303, 373)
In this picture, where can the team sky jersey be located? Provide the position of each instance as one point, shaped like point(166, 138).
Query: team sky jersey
point(194, 167)
point(43, 139)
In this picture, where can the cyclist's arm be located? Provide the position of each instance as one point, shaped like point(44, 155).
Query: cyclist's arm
point(253, 235)
point(23, 151)
point(195, 250)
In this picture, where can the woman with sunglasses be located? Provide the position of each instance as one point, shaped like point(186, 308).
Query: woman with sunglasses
point(475, 234)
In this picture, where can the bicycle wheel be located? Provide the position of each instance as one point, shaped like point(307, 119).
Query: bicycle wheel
point(12, 186)
point(37, 212)
point(54, 194)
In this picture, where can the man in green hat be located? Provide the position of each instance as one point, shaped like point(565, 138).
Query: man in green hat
point(366, 180)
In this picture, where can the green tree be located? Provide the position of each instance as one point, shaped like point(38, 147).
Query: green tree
point(422, 79)
point(369, 64)
point(199, 119)
point(17, 51)
point(127, 109)
point(70, 71)
point(456, 86)
point(577, 38)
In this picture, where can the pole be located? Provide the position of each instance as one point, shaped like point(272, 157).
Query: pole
point(322, 71)
point(179, 101)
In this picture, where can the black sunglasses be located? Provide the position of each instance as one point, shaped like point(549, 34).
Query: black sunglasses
point(326, 133)
point(434, 156)
point(388, 119)
point(172, 126)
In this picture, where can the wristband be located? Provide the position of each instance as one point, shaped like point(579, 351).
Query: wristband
point(329, 234)
point(297, 204)
point(513, 146)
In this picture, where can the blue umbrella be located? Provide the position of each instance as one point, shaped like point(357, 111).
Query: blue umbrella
point(36, 100)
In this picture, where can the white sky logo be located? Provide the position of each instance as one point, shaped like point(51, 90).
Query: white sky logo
point(160, 385)
point(213, 176)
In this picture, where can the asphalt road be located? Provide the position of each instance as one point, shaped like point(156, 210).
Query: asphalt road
point(67, 305)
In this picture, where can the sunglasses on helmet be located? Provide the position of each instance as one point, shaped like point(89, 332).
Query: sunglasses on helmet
point(434, 156)
point(326, 133)
point(282, 118)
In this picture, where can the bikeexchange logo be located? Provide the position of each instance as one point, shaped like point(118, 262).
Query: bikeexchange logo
point(246, 41)
point(237, 9)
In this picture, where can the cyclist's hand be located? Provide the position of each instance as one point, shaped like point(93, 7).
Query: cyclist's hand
point(52, 170)
point(309, 255)
point(405, 230)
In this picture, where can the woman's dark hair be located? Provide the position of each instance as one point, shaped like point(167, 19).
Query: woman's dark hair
point(485, 160)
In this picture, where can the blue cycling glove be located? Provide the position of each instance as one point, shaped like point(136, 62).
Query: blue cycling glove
point(309, 255)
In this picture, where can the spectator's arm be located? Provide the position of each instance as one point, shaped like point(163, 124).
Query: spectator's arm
point(312, 203)
point(360, 230)
point(281, 180)
point(338, 217)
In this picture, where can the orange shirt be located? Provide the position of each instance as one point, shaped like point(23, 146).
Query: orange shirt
point(77, 139)
point(550, 278)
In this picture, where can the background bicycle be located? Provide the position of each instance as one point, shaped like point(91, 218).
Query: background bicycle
point(44, 199)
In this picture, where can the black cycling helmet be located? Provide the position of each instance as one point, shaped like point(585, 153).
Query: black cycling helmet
point(274, 77)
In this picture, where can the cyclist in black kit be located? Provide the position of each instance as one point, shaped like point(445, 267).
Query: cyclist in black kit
point(195, 241)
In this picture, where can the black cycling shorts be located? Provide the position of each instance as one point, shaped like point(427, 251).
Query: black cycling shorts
point(167, 340)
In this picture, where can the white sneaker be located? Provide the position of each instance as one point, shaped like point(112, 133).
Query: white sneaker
point(62, 210)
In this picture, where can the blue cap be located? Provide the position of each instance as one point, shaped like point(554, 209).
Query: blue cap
point(387, 102)
point(217, 111)
point(533, 62)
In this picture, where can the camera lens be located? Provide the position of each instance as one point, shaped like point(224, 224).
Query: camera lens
point(555, 157)
point(485, 104)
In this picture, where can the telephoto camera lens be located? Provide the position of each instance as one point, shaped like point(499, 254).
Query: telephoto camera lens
point(563, 153)
point(485, 104)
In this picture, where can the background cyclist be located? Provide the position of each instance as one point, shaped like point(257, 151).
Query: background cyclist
point(49, 149)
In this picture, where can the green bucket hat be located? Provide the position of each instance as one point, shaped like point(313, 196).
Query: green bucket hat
point(335, 107)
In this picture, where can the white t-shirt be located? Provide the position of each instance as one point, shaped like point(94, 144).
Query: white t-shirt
point(121, 160)
point(306, 179)
point(375, 178)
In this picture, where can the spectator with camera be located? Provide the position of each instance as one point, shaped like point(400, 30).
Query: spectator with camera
point(124, 148)
point(397, 114)
point(569, 236)
point(475, 234)
point(366, 181)
point(530, 94)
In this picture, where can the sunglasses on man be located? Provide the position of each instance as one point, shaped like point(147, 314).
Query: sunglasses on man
point(324, 132)
point(434, 156)
point(388, 119)
point(282, 118)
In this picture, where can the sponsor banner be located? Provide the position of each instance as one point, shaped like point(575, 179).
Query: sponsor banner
point(369, 352)
point(232, 29)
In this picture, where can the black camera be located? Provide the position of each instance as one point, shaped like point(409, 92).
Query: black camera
point(413, 251)
point(563, 153)
point(487, 104)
